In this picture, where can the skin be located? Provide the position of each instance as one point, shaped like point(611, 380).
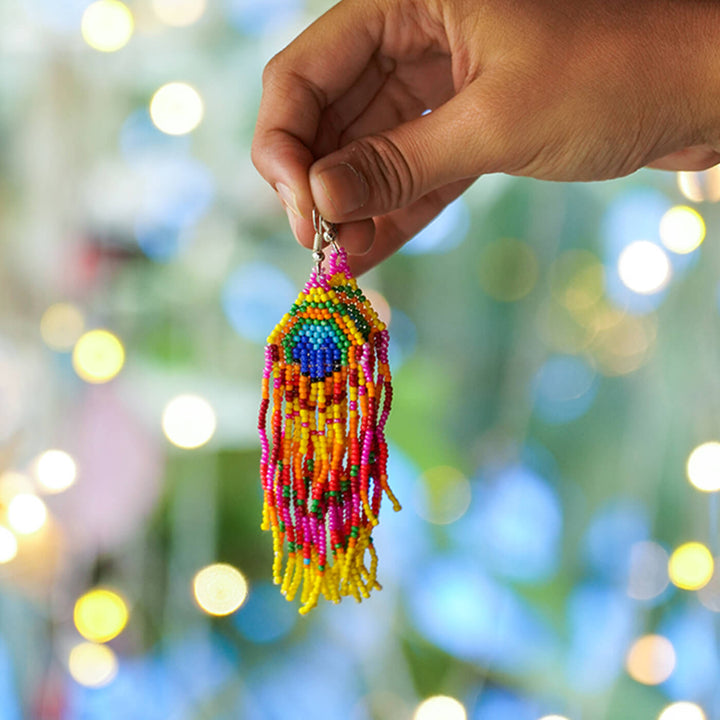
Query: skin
point(551, 89)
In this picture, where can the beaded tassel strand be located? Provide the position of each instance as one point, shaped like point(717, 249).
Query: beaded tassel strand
point(324, 465)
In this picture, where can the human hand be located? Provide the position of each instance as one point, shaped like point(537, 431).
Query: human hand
point(556, 90)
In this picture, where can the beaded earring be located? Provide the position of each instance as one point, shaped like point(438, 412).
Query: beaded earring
point(324, 467)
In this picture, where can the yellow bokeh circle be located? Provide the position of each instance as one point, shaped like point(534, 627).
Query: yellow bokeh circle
point(691, 566)
point(98, 356)
point(100, 615)
point(220, 589)
point(107, 25)
point(682, 229)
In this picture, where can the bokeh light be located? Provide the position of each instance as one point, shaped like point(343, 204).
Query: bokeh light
point(564, 388)
point(443, 233)
point(92, 665)
point(220, 589)
point(55, 471)
point(553, 717)
point(98, 356)
point(176, 108)
point(13, 483)
point(648, 571)
point(700, 186)
point(100, 615)
point(703, 467)
point(682, 229)
point(443, 495)
point(709, 595)
point(107, 25)
point(644, 267)
point(26, 513)
point(61, 325)
point(577, 281)
point(682, 711)
point(440, 707)
point(249, 308)
point(8, 545)
point(651, 660)
point(179, 13)
point(691, 566)
point(508, 269)
point(189, 421)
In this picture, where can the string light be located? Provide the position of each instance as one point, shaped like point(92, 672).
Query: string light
point(61, 325)
point(26, 513)
point(220, 589)
point(651, 660)
point(682, 229)
point(179, 13)
point(644, 267)
point(189, 421)
point(176, 108)
point(682, 711)
point(98, 356)
point(703, 467)
point(100, 615)
point(440, 707)
point(55, 471)
point(8, 545)
point(691, 566)
point(107, 25)
point(92, 665)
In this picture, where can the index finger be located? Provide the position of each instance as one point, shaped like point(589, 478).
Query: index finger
point(317, 68)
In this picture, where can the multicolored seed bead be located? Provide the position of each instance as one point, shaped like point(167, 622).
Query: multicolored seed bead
point(326, 397)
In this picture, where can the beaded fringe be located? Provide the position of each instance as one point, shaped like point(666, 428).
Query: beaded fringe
point(325, 469)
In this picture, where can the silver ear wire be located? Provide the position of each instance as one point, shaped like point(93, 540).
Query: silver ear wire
point(325, 232)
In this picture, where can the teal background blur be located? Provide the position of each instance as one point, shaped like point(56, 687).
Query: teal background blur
point(543, 415)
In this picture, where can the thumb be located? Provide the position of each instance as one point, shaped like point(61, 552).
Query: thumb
point(379, 173)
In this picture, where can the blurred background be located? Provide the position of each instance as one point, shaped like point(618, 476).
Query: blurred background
point(554, 438)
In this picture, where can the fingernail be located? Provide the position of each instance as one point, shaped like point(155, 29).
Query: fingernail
point(346, 189)
point(288, 197)
point(293, 219)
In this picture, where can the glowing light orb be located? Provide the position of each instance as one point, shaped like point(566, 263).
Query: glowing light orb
point(26, 513)
point(107, 25)
point(98, 356)
point(179, 13)
point(553, 717)
point(703, 467)
point(508, 269)
point(700, 186)
point(61, 325)
point(8, 545)
point(651, 660)
point(55, 471)
point(691, 566)
point(440, 707)
point(682, 711)
point(648, 576)
point(444, 495)
point(644, 267)
point(220, 589)
point(100, 615)
point(92, 665)
point(682, 229)
point(189, 421)
point(176, 108)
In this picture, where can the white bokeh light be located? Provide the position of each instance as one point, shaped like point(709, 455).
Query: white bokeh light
point(644, 267)
point(189, 421)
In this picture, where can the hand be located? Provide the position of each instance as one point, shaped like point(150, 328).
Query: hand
point(551, 89)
